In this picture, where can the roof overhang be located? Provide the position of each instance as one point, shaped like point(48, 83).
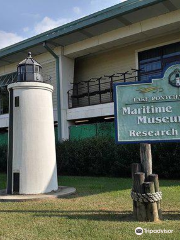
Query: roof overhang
point(118, 16)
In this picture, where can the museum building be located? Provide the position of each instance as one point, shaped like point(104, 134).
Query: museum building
point(131, 41)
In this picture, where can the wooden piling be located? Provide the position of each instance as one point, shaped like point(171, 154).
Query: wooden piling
point(135, 167)
point(154, 178)
point(145, 182)
point(151, 208)
point(139, 179)
point(146, 158)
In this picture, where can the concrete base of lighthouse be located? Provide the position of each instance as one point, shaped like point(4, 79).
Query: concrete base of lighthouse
point(62, 191)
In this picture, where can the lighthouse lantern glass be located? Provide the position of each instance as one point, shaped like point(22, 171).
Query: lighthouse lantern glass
point(29, 70)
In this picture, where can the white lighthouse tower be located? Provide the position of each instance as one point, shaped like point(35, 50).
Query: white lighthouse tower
point(31, 155)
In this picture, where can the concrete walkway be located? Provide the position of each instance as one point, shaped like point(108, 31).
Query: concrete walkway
point(61, 192)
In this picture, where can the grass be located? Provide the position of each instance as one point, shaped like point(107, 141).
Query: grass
point(101, 209)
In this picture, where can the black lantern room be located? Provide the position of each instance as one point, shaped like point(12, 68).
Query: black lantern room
point(29, 70)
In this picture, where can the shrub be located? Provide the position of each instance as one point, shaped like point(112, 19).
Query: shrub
point(100, 156)
point(166, 159)
point(95, 157)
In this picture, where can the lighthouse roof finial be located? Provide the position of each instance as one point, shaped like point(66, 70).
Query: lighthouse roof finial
point(29, 55)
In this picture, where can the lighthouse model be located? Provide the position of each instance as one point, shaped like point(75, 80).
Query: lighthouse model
point(31, 154)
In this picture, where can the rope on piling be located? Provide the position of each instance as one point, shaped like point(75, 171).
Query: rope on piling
point(146, 197)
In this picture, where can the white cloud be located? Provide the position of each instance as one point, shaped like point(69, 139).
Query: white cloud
point(8, 38)
point(76, 10)
point(48, 23)
point(26, 29)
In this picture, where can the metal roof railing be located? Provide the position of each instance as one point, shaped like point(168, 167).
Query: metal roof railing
point(5, 80)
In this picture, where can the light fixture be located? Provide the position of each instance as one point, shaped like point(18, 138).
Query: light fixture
point(82, 121)
point(55, 124)
point(107, 118)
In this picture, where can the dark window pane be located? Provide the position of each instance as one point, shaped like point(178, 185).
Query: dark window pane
point(150, 60)
point(152, 54)
point(29, 68)
point(23, 69)
point(19, 70)
point(16, 101)
point(36, 69)
point(153, 61)
point(171, 50)
point(151, 66)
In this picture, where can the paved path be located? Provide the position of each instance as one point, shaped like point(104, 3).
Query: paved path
point(61, 192)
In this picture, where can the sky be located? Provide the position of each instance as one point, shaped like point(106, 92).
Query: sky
point(22, 19)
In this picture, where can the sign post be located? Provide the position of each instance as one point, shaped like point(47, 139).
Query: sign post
point(145, 113)
point(146, 159)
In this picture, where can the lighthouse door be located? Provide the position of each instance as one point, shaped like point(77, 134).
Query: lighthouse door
point(16, 183)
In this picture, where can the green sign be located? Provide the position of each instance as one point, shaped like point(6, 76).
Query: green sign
point(149, 111)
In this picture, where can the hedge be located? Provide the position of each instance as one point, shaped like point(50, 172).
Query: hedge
point(100, 156)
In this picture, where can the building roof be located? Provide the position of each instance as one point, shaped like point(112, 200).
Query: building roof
point(117, 16)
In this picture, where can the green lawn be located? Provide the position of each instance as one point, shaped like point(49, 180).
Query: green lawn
point(101, 209)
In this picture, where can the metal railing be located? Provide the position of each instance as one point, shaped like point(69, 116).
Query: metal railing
point(98, 90)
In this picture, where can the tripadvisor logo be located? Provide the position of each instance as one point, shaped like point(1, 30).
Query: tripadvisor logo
point(139, 231)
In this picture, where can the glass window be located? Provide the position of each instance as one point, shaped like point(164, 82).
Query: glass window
point(150, 55)
point(19, 70)
point(22, 69)
point(149, 67)
point(153, 61)
point(29, 68)
point(36, 69)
